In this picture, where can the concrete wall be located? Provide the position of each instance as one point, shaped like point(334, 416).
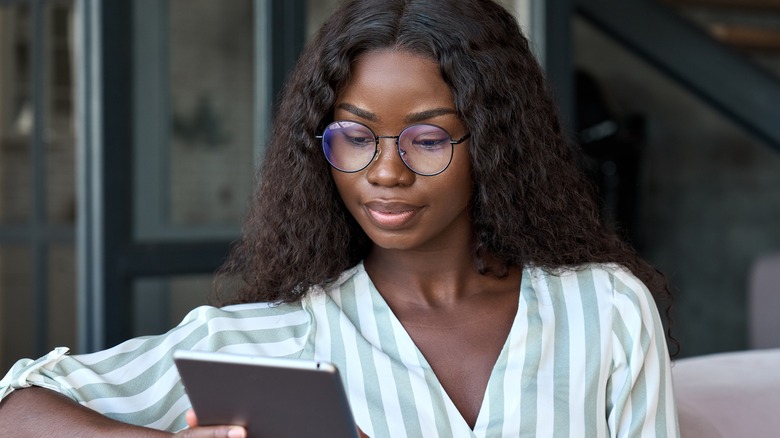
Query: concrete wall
point(709, 194)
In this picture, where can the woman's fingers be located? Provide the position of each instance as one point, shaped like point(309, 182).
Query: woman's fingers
point(213, 432)
point(193, 431)
point(192, 420)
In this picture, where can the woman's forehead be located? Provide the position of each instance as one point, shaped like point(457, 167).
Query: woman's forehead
point(382, 69)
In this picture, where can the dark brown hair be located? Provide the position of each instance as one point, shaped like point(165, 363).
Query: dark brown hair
point(532, 206)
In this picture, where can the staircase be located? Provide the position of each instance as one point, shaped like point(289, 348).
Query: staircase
point(676, 36)
point(751, 27)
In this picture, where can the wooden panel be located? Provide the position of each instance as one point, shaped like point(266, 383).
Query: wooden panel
point(747, 37)
point(737, 4)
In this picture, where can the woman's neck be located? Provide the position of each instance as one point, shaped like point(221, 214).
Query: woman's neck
point(429, 278)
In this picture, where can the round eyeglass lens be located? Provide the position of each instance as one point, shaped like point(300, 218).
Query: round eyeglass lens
point(426, 149)
point(348, 146)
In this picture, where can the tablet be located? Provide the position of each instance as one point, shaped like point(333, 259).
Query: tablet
point(270, 397)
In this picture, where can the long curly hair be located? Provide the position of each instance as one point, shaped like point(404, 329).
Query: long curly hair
point(532, 205)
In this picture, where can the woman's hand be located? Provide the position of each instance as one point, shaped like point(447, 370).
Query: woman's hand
point(218, 431)
point(193, 431)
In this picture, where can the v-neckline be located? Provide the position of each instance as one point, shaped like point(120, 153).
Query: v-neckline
point(408, 342)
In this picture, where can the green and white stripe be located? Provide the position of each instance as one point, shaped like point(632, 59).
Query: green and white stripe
point(585, 358)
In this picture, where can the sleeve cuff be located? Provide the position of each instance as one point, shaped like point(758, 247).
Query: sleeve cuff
point(24, 373)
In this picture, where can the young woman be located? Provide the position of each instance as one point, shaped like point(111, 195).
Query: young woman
point(420, 221)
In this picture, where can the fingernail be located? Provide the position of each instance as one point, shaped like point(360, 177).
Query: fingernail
point(236, 432)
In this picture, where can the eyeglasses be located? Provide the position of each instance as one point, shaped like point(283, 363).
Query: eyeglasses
point(425, 149)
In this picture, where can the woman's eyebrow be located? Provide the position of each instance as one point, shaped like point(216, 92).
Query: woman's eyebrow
point(428, 114)
point(411, 118)
point(363, 114)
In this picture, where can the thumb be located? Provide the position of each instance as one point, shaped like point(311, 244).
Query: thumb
point(192, 420)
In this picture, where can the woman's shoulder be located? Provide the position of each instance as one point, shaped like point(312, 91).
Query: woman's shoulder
point(609, 296)
point(247, 315)
point(294, 312)
point(606, 281)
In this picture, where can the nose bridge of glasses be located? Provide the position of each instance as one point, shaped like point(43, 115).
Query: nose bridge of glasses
point(393, 159)
point(380, 137)
point(378, 151)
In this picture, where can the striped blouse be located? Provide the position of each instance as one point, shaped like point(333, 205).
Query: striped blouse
point(585, 357)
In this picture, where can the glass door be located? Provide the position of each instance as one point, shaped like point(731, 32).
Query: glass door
point(183, 102)
point(37, 178)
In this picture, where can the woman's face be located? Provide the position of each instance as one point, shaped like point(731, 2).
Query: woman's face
point(398, 209)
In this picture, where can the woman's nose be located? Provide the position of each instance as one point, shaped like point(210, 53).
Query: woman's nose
point(388, 169)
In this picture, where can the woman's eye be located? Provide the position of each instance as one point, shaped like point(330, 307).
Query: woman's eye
point(430, 143)
point(356, 138)
point(359, 140)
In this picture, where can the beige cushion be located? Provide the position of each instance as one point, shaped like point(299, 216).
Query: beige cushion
point(764, 303)
point(729, 395)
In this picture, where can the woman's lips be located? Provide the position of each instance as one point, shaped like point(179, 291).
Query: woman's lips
point(391, 214)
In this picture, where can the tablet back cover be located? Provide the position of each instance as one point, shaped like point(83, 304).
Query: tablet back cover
point(270, 401)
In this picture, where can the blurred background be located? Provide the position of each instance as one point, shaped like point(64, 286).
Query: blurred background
point(130, 130)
